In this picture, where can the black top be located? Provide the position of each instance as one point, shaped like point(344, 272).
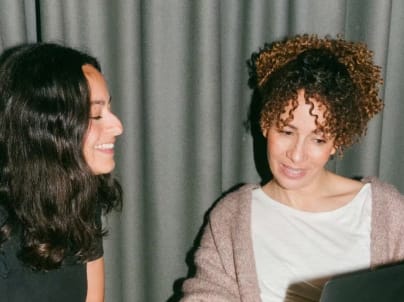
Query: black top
point(19, 283)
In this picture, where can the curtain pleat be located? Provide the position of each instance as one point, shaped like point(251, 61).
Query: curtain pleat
point(17, 22)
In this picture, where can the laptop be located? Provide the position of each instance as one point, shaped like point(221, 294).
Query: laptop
point(384, 284)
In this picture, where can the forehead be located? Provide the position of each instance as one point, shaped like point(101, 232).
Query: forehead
point(96, 82)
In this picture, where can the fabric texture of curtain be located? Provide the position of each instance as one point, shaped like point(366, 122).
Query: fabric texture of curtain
point(177, 75)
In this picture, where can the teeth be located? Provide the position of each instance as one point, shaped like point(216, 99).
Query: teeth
point(294, 171)
point(104, 146)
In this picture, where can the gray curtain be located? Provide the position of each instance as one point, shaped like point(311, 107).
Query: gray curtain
point(177, 73)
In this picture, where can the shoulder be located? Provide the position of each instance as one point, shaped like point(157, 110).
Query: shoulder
point(386, 198)
point(233, 201)
point(387, 222)
point(341, 186)
point(384, 190)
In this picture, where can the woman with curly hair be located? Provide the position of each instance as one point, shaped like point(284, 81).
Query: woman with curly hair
point(57, 135)
point(283, 240)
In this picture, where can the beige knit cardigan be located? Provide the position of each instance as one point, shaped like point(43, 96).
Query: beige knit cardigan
point(225, 259)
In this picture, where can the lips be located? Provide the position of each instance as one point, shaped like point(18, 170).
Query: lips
point(294, 173)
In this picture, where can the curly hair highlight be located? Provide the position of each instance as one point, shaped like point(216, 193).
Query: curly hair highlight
point(338, 74)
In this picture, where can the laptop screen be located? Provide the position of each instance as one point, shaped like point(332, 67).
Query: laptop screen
point(382, 284)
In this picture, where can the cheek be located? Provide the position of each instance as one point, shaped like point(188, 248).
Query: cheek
point(321, 154)
point(89, 140)
point(276, 145)
point(91, 134)
point(87, 150)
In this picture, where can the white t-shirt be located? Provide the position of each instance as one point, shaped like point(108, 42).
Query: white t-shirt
point(297, 251)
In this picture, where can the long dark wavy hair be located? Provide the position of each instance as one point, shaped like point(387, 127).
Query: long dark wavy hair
point(52, 199)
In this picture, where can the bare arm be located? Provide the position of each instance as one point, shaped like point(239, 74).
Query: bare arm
point(95, 280)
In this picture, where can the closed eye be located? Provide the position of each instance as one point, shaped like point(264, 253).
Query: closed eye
point(320, 141)
point(286, 132)
point(96, 117)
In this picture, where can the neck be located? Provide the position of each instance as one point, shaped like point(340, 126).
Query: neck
point(306, 198)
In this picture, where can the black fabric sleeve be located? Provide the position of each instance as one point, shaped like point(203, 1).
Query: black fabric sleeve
point(3, 215)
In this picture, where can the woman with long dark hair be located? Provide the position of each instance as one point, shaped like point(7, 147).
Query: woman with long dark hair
point(57, 136)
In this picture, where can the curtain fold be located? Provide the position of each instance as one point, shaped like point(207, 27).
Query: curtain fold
point(17, 22)
point(177, 74)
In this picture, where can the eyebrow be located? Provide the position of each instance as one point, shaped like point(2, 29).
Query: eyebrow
point(290, 126)
point(316, 131)
point(101, 102)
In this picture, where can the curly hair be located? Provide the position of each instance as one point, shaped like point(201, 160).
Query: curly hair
point(52, 199)
point(338, 74)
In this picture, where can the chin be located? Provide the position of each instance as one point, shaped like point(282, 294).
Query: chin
point(291, 183)
point(102, 170)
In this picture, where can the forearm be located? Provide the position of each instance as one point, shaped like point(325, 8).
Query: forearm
point(212, 281)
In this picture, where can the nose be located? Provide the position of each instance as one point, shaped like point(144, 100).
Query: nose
point(115, 125)
point(297, 151)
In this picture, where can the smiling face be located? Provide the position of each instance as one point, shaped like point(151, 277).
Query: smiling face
point(104, 126)
point(298, 152)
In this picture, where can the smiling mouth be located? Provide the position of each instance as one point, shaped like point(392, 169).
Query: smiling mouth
point(293, 172)
point(104, 147)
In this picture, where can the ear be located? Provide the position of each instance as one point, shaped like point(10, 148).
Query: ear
point(264, 132)
point(333, 150)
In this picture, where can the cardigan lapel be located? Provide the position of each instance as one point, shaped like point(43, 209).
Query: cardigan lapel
point(243, 248)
